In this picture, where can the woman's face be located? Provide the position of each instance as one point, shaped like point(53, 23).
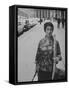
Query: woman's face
point(49, 30)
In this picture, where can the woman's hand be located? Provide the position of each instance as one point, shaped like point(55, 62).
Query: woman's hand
point(56, 59)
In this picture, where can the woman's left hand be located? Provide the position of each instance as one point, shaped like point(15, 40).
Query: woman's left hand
point(56, 59)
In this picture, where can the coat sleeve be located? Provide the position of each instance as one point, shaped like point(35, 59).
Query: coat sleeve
point(58, 51)
point(38, 54)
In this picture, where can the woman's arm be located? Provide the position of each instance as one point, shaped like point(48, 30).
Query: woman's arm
point(37, 59)
point(58, 52)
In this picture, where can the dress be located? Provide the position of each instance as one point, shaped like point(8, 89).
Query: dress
point(44, 57)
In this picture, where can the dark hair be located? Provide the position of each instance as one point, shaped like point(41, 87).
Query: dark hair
point(48, 24)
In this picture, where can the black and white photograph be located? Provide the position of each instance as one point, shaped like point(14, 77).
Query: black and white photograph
point(41, 44)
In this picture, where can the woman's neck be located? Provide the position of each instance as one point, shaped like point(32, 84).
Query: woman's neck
point(48, 36)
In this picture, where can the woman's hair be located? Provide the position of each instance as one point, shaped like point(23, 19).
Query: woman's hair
point(48, 24)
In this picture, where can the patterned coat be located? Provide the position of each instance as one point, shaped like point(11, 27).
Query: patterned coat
point(45, 53)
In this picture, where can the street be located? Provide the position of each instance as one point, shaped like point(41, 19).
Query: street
point(27, 48)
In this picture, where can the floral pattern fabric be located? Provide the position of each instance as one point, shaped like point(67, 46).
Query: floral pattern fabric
point(45, 53)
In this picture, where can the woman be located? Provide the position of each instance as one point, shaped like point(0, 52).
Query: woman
point(45, 55)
